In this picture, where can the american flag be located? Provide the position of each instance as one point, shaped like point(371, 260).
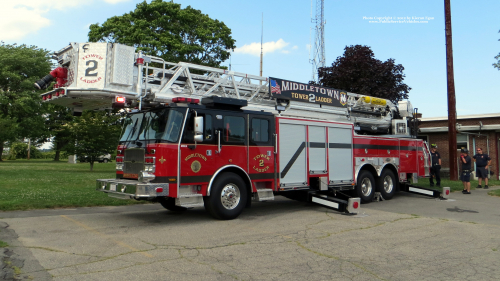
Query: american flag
point(275, 88)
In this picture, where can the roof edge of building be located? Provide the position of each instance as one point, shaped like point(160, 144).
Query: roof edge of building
point(474, 116)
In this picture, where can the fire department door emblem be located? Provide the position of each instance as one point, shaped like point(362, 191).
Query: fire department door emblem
point(196, 166)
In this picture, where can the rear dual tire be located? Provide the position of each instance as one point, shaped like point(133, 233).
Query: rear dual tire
point(386, 184)
point(365, 187)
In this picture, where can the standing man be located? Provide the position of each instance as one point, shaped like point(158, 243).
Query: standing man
point(466, 169)
point(482, 163)
point(436, 166)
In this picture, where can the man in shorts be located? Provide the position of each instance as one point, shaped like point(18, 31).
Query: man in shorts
point(482, 163)
point(466, 169)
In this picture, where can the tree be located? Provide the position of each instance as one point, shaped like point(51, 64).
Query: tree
point(57, 122)
point(94, 133)
point(497, 64)
point(21, 112)
point(358, 71)
point(165, 30)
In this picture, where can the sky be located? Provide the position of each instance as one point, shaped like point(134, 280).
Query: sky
point(419, 45)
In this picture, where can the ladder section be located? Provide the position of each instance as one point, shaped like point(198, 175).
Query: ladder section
point(99, 72)
point(99, 75)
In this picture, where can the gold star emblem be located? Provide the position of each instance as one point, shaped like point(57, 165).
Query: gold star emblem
point(162, 160)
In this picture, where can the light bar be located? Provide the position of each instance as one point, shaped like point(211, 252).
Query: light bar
point(185, 100)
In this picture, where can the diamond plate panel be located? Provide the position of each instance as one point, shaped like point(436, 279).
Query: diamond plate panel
point(123, 65)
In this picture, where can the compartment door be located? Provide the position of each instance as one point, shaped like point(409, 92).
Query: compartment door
point(317, 150)
point(340, 158)
point(292, 155)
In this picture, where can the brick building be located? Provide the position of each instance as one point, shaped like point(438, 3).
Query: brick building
point(481, 130)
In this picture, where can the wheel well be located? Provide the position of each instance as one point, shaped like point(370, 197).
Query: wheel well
point(242, 175)
point(394, 171)
point(368, 168)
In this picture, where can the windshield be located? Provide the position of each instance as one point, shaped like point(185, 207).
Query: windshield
point(158, 125)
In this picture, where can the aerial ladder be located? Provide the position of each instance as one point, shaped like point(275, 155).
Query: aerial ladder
point(95, 76)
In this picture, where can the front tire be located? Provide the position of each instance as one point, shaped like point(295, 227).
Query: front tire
point(387, 184)
point(365, 188)
point(228, 197)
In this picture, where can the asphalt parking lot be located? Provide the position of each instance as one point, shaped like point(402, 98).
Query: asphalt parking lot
point(408, 238)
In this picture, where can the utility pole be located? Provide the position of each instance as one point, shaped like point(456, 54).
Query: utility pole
point(452, 111)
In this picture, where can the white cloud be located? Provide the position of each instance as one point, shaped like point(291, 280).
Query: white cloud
point(15, 23)
point(18, 18)
point(267, 47)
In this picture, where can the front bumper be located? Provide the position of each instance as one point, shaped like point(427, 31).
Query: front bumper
point(131, 189)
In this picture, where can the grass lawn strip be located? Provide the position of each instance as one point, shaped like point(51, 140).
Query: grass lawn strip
point(39, 184)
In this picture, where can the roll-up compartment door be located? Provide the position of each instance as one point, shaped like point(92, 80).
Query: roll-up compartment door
point(340, 159)
point(317, 150)
point(292, 155)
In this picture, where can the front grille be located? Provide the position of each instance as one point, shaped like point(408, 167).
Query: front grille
point(133, 162)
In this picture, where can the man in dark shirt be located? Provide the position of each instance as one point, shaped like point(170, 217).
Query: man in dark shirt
point(436, 166)
point(482, 163)
point(466, 169)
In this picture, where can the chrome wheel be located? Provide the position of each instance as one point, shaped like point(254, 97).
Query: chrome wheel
point(230, 196)
point(366, 187)
point(388, 184)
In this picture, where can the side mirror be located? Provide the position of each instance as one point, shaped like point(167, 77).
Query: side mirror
point(198, 129)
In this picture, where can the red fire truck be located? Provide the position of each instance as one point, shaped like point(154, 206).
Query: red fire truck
point(203, 136)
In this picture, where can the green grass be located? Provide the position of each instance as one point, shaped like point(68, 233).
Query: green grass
point(39, 184)
point(3, 244)
point(494, 192)
point(458, 185)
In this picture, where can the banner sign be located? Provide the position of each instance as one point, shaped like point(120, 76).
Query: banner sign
point(289, 90)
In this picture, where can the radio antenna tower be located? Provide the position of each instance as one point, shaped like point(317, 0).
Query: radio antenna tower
point(318, 59)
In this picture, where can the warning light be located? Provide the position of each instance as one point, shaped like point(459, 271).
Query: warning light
point(185, 100)
point(159, 189)
point(355, 205)
point(447, 192)
point(119, 99)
